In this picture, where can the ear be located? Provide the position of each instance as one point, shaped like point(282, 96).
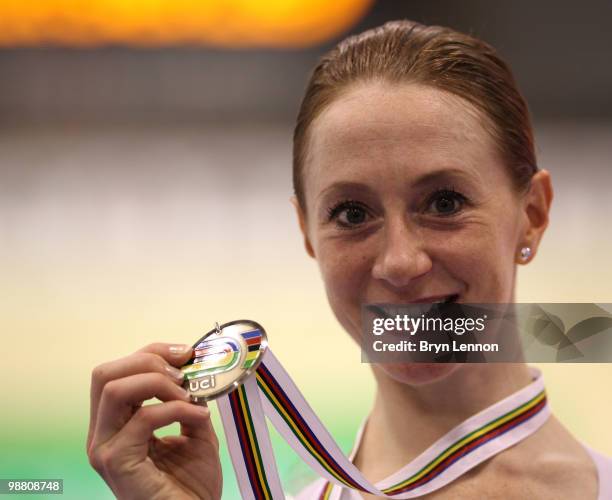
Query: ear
point(303, 226)
point(536, 208)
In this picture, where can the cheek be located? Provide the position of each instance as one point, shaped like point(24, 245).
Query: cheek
point(343, 270)
point(345, 275)
point(481, 257)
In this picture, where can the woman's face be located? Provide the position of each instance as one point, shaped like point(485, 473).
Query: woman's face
point(407, 200)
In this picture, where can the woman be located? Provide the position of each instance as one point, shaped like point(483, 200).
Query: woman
point(416, 181)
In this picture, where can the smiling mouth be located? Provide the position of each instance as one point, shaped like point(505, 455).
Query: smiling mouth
point(379, 309)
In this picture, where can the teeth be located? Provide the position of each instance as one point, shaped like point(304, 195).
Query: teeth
point(446, 300)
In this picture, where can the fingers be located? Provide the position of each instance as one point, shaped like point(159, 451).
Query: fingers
point(175, 354)
point(131, 444)
point(121, 443)
point(146, 420)
point(203, 430)
point(158, 357)
point(121, 396)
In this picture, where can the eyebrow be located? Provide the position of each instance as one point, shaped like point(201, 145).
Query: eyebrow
point(345, 186)
point(421, 181)
point(437, 175)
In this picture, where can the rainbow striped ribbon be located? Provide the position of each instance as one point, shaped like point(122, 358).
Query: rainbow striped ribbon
point(273, 394)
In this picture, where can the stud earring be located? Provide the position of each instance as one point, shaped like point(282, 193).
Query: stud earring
point(525, 253)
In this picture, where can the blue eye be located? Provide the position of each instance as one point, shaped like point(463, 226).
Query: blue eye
point(446, 202)
point(348, 214)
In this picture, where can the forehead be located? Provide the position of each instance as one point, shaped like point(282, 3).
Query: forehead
point(397, 132)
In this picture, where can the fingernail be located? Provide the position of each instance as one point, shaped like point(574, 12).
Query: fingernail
point(178, 349)
point(174, 372)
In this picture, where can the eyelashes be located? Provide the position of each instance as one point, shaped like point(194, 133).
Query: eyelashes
point(444, 202)
point(348, 213)
point(447, 202)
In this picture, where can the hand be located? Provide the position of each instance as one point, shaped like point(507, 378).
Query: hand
point(121, 446)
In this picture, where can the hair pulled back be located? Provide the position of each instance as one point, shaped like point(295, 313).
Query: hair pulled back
point(409, 52)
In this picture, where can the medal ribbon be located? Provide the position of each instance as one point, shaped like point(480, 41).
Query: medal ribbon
point(272, 393)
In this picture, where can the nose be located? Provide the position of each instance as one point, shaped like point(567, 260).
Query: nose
point(402, 258)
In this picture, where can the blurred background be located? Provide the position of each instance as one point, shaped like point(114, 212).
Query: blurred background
point(145, 176)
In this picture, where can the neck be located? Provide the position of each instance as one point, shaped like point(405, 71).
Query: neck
point(407, 419)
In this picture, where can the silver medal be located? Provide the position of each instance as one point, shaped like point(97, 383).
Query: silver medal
point(223, 358)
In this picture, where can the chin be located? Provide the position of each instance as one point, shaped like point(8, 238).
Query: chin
point(417, 373)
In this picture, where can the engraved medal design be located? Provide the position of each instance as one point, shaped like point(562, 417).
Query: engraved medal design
point(223, 358)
